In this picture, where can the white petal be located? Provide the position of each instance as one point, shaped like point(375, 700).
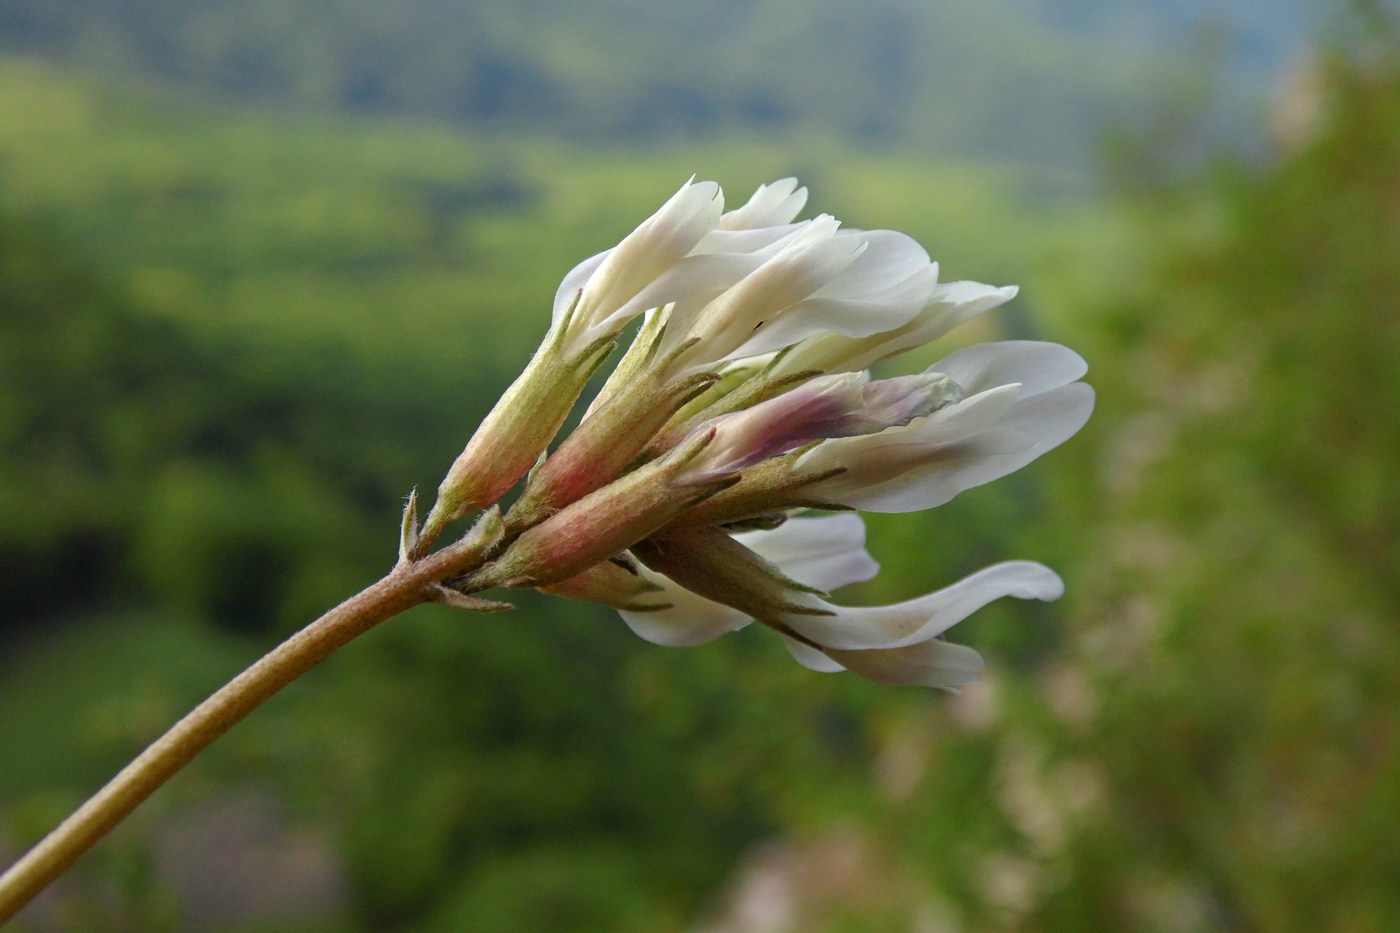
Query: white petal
point(662, 239)
point(987, 457)
point(826, 552)
point(577, 278)
point(889, 258)
point(1053, 417)
point(1033, 426)
point(849, 316)
point(974, 295)
point(949, 305)
point(930, 664)
point(1036, 365)
point(747, 240)
point(771, 204)
point(917, 620)
point(810, 657)
point(793, 273)
point(690, 283)
point(934, 444)
point(691, 620)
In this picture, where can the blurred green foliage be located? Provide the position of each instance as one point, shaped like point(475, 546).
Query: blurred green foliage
point(229, 344)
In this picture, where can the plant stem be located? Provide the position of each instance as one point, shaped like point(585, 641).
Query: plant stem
point(405, 587)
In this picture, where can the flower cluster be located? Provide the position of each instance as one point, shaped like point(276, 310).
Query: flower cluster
point(743, 400)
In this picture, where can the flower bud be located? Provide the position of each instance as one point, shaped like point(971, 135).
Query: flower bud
point(605, 522)
point(605, 444)
point(516, 431)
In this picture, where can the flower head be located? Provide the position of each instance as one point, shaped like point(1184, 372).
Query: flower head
point(743, 400)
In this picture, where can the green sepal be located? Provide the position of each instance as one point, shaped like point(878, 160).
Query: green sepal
point(408, 529)
point(459, 600)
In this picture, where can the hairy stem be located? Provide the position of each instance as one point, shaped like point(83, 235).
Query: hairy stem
point(405, 587)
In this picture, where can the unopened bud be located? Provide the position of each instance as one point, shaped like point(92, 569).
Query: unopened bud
point(516, 432)
point(605, 444)
point(605, 522)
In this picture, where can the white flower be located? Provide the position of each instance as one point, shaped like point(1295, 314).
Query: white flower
point(826, 552)
point(815, 280)
point(899, 643)
point(790, 270)
point(596, 297)
point(948, 306)
point(1021, 400)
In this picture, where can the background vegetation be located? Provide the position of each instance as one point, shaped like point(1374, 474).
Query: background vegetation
point(249, 297)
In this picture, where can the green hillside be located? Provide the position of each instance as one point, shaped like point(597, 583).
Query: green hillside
point(394, 240)
point(999, 78)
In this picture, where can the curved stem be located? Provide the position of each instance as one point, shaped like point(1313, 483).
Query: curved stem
point(405, 587)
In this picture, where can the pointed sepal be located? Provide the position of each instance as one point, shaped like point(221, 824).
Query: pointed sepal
point(459, 600)
point(408, 530)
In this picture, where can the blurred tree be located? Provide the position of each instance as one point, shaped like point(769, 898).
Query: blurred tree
point(138, 464)
point(1231, 713)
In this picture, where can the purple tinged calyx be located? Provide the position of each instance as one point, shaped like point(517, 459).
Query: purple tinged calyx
point(839, 405)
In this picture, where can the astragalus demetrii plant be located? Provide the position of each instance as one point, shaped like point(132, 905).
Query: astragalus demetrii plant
point(742, 401)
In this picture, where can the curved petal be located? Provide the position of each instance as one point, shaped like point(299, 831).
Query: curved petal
point(918, 620)
point(1051, 418)
point(949, 305)
point(1032, 427)
point(975, 296)
point(926, 448)
point(931, 663)
point(927, 485)
point(1036, 365)
point(788, 276)
point(826, 552)
point(771, 204)
point(691, 620)
point(857, 317)
point(577, 278)
point(747, 240)
point(889, 257)
point(661, 240)
point(810, 657)
point(690, 282)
